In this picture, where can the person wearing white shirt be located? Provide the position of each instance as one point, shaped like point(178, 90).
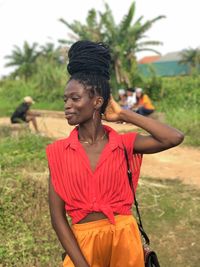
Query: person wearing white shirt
point(131, 99)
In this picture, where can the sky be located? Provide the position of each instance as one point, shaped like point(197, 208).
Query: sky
point(37, 21)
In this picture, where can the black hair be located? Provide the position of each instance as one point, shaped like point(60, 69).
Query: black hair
point(130, 89)
point(89, 64)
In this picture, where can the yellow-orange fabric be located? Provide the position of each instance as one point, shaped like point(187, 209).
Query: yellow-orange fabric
point(107, 245)
point(145, 101)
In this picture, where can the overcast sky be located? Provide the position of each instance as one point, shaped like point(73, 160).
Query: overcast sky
point(37, 21)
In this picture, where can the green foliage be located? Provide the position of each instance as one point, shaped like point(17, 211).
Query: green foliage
point(170, 215)
point(46, 86)
point(12, 93)
point(181, 101)
point(151, 84)
point(24, 218)
point(192, 57)
point(50, 80)
point(24, 60)
point(19, 151)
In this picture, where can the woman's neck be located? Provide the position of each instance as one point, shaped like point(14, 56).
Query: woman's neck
point(91, 131)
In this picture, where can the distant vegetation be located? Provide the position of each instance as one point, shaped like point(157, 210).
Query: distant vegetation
point(191, 56)
point(180, 100)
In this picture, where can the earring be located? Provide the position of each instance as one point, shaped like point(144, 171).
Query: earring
point(94, 114)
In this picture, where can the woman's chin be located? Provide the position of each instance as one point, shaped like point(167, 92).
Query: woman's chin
point(72, 122)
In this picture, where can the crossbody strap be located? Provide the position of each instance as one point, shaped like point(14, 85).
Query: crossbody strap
point(129, 173)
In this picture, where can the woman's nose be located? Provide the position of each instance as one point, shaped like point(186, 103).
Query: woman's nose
point(68, 104)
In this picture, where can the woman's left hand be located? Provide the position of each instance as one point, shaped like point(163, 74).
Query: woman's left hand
point(113, 111)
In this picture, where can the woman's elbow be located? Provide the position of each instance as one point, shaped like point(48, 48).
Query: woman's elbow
point(176, 139)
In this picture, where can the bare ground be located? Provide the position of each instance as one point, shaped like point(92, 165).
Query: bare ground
point(177, 163)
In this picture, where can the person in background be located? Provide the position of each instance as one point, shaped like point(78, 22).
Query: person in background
point(123, 99)
point(143, 105)
point(131, 98)
point(23, 113)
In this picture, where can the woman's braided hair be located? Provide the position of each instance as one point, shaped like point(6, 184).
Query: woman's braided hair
point(89, 64)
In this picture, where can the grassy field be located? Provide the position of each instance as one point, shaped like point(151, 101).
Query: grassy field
point(170, 210)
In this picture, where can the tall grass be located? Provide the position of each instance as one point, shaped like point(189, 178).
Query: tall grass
point(181, 104)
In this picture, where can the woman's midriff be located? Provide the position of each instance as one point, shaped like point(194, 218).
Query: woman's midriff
point(94, 216)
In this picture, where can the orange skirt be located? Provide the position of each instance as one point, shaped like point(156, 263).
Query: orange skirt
point(106, 245)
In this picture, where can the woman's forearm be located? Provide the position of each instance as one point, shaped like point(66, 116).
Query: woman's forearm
point(163, 133)
point(63, 229)
point(69, 242)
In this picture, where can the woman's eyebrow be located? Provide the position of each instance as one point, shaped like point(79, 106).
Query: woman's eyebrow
point(72, 94)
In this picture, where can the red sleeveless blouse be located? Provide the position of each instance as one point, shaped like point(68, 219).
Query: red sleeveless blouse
point(106, 189)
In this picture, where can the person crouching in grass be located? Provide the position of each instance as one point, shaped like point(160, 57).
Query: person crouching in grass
point(23, 113)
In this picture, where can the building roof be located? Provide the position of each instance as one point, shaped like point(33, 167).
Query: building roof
point(172, 56)
point(149, 59)
point(164, 68)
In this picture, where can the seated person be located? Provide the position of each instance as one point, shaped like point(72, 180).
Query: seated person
point(23, 114)
point(131, 98)
point(122, 101)
point(144, 105)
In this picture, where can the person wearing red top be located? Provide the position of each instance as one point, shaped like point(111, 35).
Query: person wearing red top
point(88, 172)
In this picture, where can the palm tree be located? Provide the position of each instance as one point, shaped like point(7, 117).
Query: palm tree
point(191, 56)
point(90, 31)
point(125, 39)
point(23, 59)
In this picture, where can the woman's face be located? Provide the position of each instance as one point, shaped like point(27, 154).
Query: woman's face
point(138, 94)
point(79, 106)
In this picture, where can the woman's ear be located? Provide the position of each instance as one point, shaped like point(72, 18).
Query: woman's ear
point(98, 102)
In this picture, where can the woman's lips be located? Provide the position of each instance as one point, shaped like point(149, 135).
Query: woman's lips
point(69, 115)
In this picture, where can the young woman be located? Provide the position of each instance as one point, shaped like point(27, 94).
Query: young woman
point(88, 173)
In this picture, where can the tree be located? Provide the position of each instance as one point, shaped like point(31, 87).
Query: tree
point(191, 56)
point(24, 60)
point(50, 53)
point(124, 39)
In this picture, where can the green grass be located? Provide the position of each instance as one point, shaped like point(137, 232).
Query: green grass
point(170, 210)
point(171, 217)
point(181, 104)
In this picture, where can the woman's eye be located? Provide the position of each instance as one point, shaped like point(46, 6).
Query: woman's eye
point(75, 98)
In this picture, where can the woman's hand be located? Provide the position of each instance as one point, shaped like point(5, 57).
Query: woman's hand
point(113, 111)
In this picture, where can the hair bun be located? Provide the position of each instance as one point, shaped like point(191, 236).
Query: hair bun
point(89, 57)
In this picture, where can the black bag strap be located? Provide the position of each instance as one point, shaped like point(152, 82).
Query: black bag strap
point(140, 226)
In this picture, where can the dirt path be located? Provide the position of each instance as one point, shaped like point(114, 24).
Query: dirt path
point(177, 163)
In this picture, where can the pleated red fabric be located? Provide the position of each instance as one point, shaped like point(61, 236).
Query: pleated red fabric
point(106, 189)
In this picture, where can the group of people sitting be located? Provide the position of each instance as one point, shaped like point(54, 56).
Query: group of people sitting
point(136, 100)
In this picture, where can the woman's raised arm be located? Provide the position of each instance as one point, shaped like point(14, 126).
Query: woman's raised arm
point(161, 136)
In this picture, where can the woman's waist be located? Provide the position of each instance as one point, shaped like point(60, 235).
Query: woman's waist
point(81, 216)
point(94, 216)
point(120, 221)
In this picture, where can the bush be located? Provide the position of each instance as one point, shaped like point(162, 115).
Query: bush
point(181, 104)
